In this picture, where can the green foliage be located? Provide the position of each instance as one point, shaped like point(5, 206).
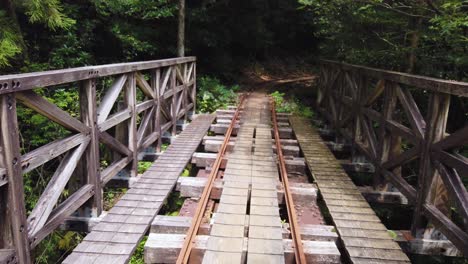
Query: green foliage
point(213, 95)
point(138, 256)
point(9, 46)
point(164, 146)
point(387, 34)
point(173, 204)
point(56, 246)
point(143, 166)
point(291, 105)
point(112, 196)
point(392, 234)
point(48, 12)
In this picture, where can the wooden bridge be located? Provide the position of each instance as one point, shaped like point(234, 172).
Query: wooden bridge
point(269, 187)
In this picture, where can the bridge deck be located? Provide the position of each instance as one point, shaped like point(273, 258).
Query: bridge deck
point(115, 238)
point(254, 165)
point(365, 238)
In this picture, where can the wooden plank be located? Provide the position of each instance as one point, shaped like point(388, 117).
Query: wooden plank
point(51, 111)
point(115, 119)
point(164, 248)
point(7, 256)
point(433, 84)
point(65, 209)
point(110, 98)
point(131, 217)
point(28, 81)
point(108, 173)
point(353, 216)
point(412, 111)
point(41, 155)
point(114, 144)
point(144, 86)
point(44, 206)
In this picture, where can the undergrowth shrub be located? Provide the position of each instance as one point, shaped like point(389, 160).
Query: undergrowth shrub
point(212, 95)
point(290, 105)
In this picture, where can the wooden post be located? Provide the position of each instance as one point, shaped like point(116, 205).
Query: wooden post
point(385, 147)
point(174, 100)
point(6, 240)
point(130, 102)
point(12, 161)
point(185, 92)
point(428, 176)
point(89, 118)
point(194, 89)
point(156, 83)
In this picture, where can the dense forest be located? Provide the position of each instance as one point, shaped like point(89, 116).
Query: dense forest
point(427, 37)
point(421, 36)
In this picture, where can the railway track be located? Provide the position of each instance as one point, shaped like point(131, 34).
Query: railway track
point(189, 240)
point(260, 155)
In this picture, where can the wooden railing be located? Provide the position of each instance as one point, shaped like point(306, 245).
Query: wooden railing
point(145, 100)
point(399, 122)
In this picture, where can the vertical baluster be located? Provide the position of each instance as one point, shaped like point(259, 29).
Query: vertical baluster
point(386, 147)
point(130, 102)
point(194, 88)
point(185, 91)
point(156, 83)
point(174, 99)
point(12, 162)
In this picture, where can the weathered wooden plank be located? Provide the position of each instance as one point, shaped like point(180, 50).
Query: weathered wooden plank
point(113, 143)
point(115, 119)
point(110, 98)
point(438, 85)
point(27, 81)
point(164, 248)
point(52, 192)
point(7, 256)
point(108, 173)
point(41, 155)
point(52, 112)
point(65, 209)
point(132, 215)
point(352, 215)
point(144, 86)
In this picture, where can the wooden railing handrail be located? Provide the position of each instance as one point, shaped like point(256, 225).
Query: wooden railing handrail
point(418, 81)
point(27, 81)
point(124, 109)
point(387, 121)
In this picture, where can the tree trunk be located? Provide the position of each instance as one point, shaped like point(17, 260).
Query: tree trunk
point(181, 30)
point(414, 42)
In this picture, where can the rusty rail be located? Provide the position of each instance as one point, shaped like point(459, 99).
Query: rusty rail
point(295, 230)
point(186, 249)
